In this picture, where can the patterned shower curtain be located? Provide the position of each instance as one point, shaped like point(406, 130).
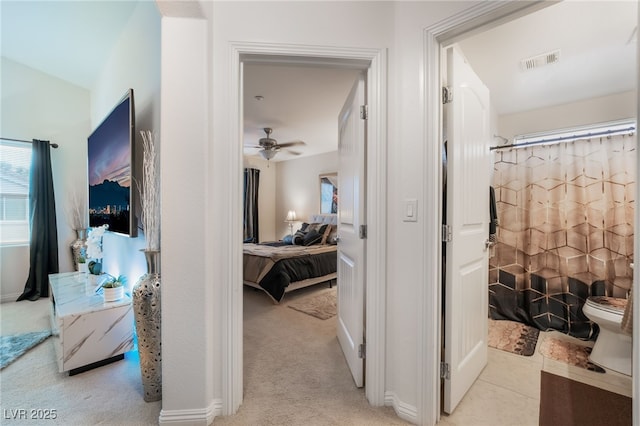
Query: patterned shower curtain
point(566, 214)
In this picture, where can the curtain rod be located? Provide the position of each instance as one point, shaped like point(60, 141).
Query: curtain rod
point(53, 145)
point(567, 138)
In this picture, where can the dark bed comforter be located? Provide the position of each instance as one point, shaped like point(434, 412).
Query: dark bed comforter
point(274, 268)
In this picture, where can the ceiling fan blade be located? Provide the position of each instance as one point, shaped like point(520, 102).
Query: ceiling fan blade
point(292, 143)
point(293, 152)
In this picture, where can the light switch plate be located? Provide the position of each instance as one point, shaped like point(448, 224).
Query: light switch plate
point(410, 209)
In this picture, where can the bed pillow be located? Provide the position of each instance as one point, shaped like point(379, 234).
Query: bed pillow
point(325, 231)
point(313, 226)
point(332, 238)
point(288, 239)
point(298, 237)
point(312, 237)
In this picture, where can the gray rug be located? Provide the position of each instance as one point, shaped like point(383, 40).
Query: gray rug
point(13, 347)
point(322, 306)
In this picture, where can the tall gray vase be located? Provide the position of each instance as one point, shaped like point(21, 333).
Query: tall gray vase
point(146, 309)
point(78, 246)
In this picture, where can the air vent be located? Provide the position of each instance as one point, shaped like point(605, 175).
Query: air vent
point(540, 60)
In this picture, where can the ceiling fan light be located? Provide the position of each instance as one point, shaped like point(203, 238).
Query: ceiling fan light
point(268, 154)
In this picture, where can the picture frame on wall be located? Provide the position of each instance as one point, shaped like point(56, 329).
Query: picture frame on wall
point(329, 193)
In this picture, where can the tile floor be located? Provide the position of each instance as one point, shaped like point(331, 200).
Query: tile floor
point(507, 393)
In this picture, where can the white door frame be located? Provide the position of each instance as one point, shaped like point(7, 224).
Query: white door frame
point(473, 20)
point(375, 274)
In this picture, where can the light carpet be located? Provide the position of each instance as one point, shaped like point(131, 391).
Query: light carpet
point(513, 337)
point(295, 372)
point(14, 346)
point(109, 395)
point(321, 305)
point(570, 353)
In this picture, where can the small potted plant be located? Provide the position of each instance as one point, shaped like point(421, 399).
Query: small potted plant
point(113, 288)
point(82, 264)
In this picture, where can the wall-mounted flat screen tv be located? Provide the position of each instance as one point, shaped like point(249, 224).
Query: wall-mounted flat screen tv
point(111, 151)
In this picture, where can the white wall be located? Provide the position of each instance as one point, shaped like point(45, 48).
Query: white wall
point(267, 190)
point(397, 27)
point(37, 105)
point(289, 185)
point(298, 186)
point(192, 346)
point(591, 111)
point(133, 63)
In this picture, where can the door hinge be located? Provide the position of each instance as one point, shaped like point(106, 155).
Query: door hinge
point(364, 112)
point(447, 95)
point(363, 232)
point(447, 233)
point(445, 371)
point(362, 351)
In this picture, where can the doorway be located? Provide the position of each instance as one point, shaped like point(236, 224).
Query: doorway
point(459, 35)
point(374, 61)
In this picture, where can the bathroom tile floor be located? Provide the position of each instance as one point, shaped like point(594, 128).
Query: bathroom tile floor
point(507, 393)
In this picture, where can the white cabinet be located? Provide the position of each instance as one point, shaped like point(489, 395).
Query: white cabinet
point(87, 331)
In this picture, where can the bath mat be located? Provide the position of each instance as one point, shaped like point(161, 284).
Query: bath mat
point(569, 353)
point(512, 336)
point(13, 347)
point(567, 402)
point(322, 306)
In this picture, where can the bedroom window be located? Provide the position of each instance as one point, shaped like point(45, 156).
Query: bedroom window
point(15, 164)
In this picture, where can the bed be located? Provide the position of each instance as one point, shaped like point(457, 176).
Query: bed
point(278, 268)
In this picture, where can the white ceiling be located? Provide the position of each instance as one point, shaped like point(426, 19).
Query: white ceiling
point(597, 55)
point(72, 40)
point(300, 102)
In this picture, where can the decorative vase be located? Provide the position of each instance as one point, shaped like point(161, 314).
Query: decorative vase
point(146, 309)
point(78, 246)
point(112, 294)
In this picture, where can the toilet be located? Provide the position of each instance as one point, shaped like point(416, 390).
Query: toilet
point(613, 349)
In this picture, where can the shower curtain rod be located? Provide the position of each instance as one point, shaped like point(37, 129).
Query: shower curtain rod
point(53, 145)
point(567, 138)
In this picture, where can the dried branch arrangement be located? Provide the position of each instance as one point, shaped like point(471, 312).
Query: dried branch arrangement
point(150, 191)
point(77, 210)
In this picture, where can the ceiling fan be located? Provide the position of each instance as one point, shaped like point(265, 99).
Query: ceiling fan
point(269, 147)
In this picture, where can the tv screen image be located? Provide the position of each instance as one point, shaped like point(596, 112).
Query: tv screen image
point(110, 157)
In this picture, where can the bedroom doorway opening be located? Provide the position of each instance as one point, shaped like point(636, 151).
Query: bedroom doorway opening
point(294, 262)
point(370, 62)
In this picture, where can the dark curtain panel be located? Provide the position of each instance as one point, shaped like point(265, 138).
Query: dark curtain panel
point(251, 180)
point(42, 220)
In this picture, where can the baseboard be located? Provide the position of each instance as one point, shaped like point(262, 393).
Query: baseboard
point(191, 417)
point(404, 411)
point(11, 297)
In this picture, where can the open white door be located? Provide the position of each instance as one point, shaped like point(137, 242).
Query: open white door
point(351, 216)
point(468, 169)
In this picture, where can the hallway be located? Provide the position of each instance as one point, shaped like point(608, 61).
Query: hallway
point(294, 370)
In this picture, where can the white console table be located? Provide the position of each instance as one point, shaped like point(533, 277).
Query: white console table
point(87, 331)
